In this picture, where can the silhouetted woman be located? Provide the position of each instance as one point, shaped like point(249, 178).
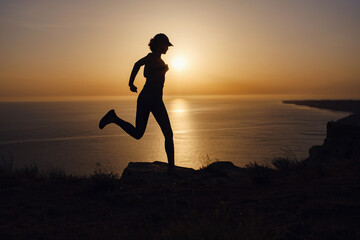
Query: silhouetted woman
point(150, 98)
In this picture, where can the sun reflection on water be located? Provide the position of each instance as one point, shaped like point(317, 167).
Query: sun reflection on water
point(178, 105)
point(179, 110)
point(186, 139)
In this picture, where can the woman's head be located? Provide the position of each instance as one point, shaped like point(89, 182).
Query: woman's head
point(160, 43)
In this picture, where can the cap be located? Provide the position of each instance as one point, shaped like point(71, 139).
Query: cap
point(162, 38)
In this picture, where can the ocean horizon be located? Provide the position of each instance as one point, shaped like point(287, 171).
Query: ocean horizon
point(64, 133)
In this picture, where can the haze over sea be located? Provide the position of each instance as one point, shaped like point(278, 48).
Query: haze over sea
point(65, 134)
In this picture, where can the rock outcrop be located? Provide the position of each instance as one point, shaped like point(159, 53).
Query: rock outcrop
point(157, 172)
point(152, 172)
point(342, 142)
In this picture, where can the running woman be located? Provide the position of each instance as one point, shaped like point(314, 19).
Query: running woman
point(150, 98)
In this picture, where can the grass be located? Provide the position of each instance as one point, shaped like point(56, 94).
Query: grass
point(285, 164)
point(287, 161)
point(205, 161)
point(6, 165)
point(104, 178)
point(259, 173)
point(57, 173)
point(29, 171)
point(257, 166)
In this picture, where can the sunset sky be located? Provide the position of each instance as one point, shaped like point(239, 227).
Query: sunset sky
point(88, 47)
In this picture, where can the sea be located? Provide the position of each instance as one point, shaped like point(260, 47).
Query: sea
point(64, 134)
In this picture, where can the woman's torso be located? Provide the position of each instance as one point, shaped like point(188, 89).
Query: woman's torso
point(154, 72)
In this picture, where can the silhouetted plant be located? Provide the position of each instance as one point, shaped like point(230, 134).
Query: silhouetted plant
point(287, 161)
point(55, 173)
point(283, 163)
point(6, 165)
point(29, 171)
point(259, 172)
point(104, 178)
point(255, 165)
point(205, 161)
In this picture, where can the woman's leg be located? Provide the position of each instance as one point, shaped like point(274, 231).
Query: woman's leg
point(142, 116)
point(162, 118)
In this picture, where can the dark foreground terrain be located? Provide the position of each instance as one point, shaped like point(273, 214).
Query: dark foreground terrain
point(295, 202)
point(318, 198)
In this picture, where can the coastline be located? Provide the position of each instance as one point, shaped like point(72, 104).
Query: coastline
point(351, 106)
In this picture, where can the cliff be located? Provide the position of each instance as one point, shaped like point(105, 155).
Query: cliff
point(342, 142)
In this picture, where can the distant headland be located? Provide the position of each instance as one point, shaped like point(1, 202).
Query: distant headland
point(352, 106)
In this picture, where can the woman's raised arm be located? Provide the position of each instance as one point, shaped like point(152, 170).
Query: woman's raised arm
point(134, 72)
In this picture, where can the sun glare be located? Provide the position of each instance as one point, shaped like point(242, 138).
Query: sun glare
point(178, 64)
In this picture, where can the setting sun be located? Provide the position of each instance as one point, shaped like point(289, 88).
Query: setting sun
point(178, 64)
point(222, 48)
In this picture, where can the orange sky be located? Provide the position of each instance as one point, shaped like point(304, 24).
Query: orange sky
point(88, 48)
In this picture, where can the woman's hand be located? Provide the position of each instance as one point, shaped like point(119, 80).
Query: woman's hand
point(133, 88)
